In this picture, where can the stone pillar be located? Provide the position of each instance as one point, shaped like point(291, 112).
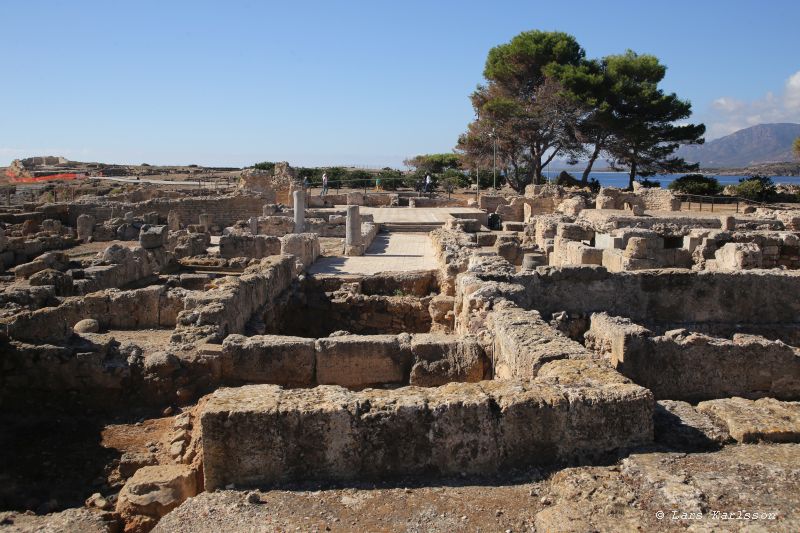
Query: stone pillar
point(3, 241)
point(727, 222)
point(253, 225)
point(85, 227)
point(206, 220)
point(299, 211)
point(173, 221)
point(353, 227)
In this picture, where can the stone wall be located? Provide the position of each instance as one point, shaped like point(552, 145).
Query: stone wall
point(674, 296)
point(225, 210)
point(266, 435)
point(150, 307)
point(355, 361)
point(214, 314)
point(651, 199)
point(693, 367)
point(248, 245)
point(523, 343)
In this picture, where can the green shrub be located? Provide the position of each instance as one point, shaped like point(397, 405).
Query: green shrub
point(565, 179)
point(759, 188)
point(696, 184)
point(649, 184)
point(264, 165)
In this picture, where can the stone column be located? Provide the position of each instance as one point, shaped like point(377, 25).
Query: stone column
point(85, 227)
point(299, 211)
point(173, 220)
point(353, 227)
point(253, 225)
point(206, 220)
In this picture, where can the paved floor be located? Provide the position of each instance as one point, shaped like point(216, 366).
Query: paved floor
point(389, 252)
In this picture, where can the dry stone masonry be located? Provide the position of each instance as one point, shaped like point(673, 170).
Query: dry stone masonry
point(166, 353)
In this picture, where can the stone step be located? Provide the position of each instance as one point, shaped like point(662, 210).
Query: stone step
point(411, 227)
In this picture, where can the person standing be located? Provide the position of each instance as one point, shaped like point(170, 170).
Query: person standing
point(324, 190)
point(428, 183)
point(305, 184)
point(377, 183)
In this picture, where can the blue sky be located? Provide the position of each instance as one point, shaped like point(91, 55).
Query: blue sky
point(366, 83)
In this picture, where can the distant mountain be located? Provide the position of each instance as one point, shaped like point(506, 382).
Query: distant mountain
point(765, 143)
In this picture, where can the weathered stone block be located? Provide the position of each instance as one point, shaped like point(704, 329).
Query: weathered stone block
point(440, 359)
point(272, 359)
point(262, 434)
point(761, 420)
point(362, 360)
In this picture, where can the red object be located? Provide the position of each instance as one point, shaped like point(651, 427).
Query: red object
point(64, 176)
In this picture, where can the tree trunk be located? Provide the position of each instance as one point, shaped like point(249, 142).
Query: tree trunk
point(537, 170)
point(632, 176)
point(595, 154)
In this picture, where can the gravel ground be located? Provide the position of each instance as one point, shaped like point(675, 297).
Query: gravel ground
point(627, 496)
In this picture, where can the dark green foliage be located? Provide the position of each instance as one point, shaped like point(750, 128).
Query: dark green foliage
point(565, 179)
point(339, 177)
point(434, 163)
point(649, 184)
point(644, 133)
point(758, 188)
point(265, 165)
point(543, 100)
point(696, 184)
point(522, 110)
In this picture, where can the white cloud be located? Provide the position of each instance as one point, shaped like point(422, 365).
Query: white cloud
point(728, 114)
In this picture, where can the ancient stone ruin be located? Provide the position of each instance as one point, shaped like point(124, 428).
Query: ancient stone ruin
point(250, 360)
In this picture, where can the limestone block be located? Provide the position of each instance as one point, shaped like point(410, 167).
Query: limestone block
point(738, 256)
point(523, 342)
point(87, 325)
point(637, 248)
point(680, 425)
point(153, 236)
point(440, 359)
point(766, 419)
point(304, 246)
point(362, 360)
point(727, 223)
point(272, 359)
point(174, 220)
point(246, 245)
point(153, 491)
point(572, 206)
point(329, 433)
point(85, 225)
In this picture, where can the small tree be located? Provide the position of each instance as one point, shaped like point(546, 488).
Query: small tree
point(796, 148)
point(696, 184)
point(758, 188)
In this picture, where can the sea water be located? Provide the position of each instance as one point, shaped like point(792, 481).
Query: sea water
point(620, 179)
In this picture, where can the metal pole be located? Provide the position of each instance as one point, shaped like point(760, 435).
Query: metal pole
point(494, 163)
